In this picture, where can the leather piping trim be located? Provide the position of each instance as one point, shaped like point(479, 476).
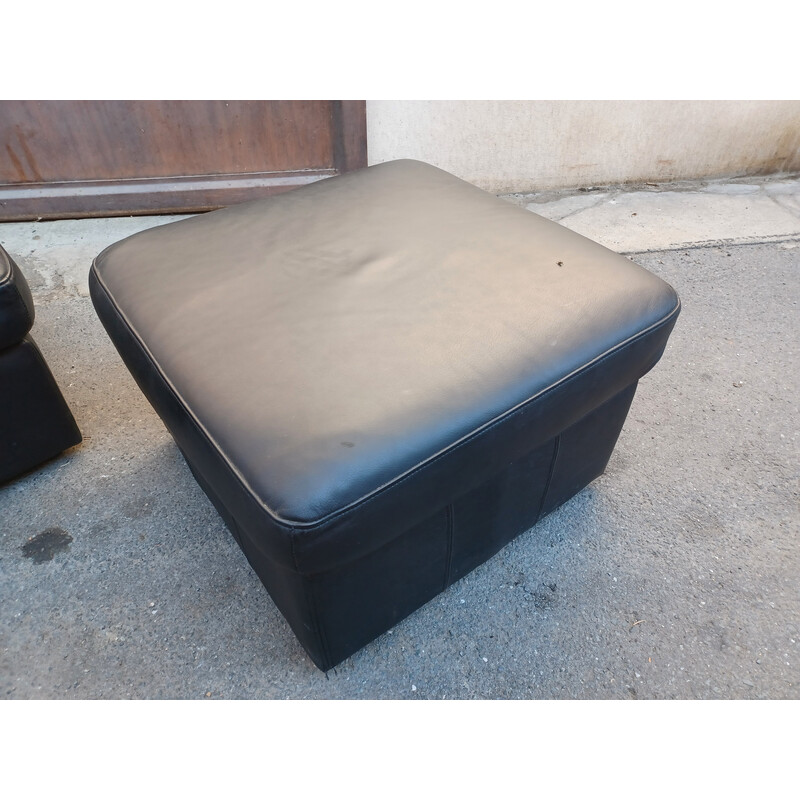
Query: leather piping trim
point(293, 525)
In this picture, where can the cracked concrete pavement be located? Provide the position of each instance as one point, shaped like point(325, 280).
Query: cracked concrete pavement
point(674, 575)
point(671, 216)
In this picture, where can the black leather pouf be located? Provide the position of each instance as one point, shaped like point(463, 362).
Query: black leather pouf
point(35, 421)
point(380, 379)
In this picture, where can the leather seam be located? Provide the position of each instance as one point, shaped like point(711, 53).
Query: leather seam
point(323, 639)
point(291, 550)
point(296, 526)
point(310, 596)
point(316, 621)
point(551, 472)
point(449, 532)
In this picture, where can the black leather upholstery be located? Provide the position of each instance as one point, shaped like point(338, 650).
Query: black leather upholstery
point(339, 362)
point(16, 303)
point(35, 421)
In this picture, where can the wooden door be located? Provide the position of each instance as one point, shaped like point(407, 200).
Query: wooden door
point(68, 159)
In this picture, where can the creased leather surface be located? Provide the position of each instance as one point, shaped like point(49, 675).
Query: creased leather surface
point(351, 351)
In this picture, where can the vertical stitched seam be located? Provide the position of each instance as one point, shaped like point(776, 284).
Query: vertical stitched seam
point(556, 448)
point(308, 592)
point(449, 529)
point(323, 640)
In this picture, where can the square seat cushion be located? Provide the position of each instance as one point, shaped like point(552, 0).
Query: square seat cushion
point(344, 364)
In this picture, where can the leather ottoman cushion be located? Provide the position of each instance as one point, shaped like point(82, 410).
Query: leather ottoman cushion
point(352, 349)
point(16, 303)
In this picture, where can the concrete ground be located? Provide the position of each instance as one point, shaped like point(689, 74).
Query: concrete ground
point(674, 575)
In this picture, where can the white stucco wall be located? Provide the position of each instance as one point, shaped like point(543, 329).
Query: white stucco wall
point(526, 145)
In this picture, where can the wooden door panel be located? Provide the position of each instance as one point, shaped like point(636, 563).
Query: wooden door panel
point(100, 158)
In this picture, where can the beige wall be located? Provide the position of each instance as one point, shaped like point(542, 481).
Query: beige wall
point(526, 145)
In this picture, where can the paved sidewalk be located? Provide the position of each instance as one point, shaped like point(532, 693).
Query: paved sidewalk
point(674, 575)
point(672, 216)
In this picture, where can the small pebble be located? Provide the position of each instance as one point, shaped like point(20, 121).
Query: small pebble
point(486, 660)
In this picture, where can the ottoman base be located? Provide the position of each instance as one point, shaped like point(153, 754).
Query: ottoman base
point(35, 421)
point(381, 379)
point(336, 612)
